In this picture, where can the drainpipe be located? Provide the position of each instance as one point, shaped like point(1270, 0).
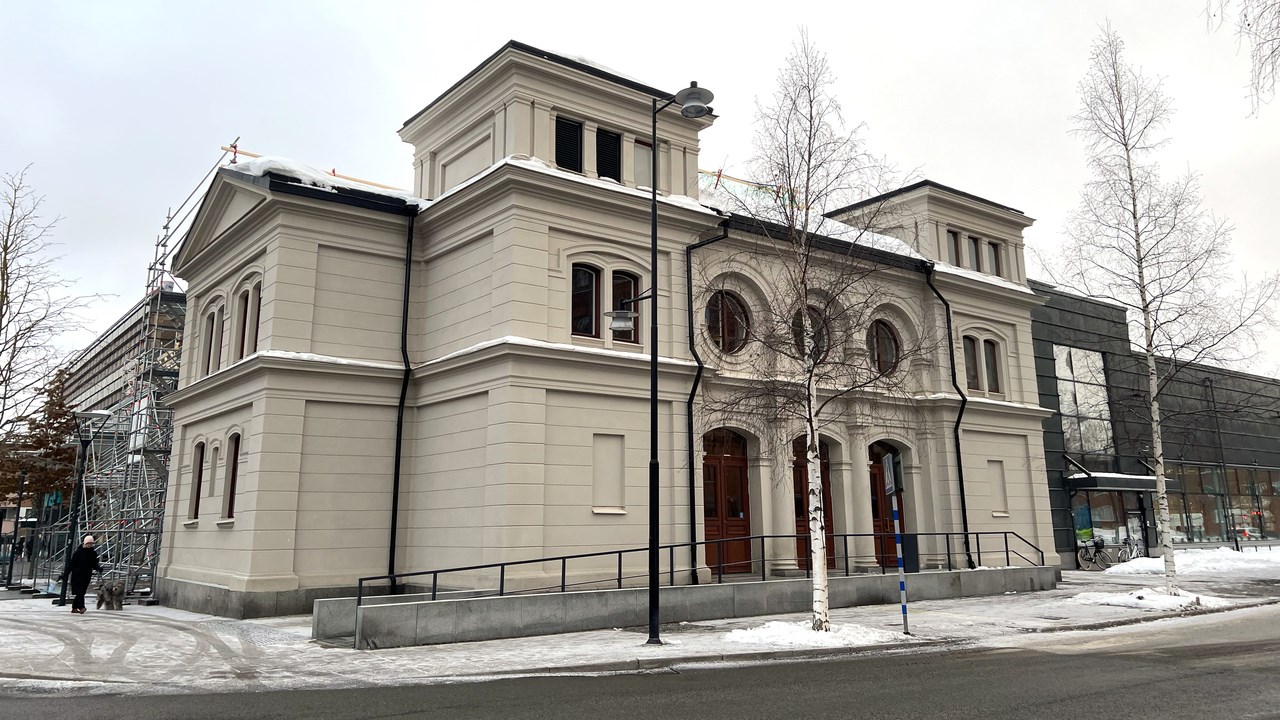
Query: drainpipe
point(412, 212)
point(955, 430)
point(693, 392)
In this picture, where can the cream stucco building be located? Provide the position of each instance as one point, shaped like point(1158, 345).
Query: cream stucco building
point(327, 318)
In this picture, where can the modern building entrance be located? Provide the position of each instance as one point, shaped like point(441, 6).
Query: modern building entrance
point(726, 508)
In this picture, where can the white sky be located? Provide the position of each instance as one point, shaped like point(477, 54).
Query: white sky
point(122, 106)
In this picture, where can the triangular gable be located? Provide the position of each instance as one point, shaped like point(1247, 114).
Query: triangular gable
point(225, 203)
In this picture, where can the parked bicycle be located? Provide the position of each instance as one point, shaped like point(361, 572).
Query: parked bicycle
point(1131, 549)
point(1093, 556)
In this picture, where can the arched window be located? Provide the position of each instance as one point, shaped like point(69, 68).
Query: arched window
point(255, 317)
point(982, 360)
point(727, 321)
point(233, 473)
point(585, 301)
point(625, 287)
point(197, 479)
point(972, 375)
point(991, 358)
point(242, 324)
point(817, 325)
point(882, 343)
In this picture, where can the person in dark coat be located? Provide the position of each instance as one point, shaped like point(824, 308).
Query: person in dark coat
point(84, 563)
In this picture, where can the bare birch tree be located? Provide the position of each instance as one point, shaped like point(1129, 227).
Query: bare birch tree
point(1257, 24)
point(805, 360)
point(36, 305)
point(1150, 246)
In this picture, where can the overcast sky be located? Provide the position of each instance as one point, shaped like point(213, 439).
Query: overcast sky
point(121, 107)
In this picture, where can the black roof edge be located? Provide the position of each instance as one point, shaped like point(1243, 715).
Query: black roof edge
point(279, 182)
point(559, 59)
point(876, 255)
point(1044, 288)
point(917, 186)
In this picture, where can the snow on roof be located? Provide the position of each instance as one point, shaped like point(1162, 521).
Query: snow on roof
point(529, 342)
point(949, 269)
point(311, 177)
point(1109, 476)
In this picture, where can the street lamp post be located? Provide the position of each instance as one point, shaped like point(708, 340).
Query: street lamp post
point(693, 104)
point(86, 439)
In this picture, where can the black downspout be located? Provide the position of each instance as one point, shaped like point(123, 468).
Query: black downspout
point(412, 212)
point(964, 400)
point(693, 394)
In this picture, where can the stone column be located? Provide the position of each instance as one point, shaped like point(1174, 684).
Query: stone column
point(842, 475)
point(864, 548)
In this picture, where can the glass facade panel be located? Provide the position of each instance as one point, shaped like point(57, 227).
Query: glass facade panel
point(1205, 515)
point(1084, 406)
point(1177, 518)
point(1107, 512)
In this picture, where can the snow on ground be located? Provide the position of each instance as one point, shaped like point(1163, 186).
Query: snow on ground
point(1207, 561)
point(1150, 599)
point(802, 634)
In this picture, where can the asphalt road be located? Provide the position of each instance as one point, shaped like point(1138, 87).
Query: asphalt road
point(1219, 666)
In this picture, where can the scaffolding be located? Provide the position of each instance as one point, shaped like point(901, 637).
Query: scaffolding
point(127, 463)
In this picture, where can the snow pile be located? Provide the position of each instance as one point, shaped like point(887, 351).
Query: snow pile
point(1149, 599)
point(312, 177)
point(1204, 562)
point(802, 634)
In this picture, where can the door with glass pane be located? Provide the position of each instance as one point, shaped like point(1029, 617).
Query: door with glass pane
point(725, 502)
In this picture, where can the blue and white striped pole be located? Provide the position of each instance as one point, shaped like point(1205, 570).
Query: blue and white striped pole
point(891, 488)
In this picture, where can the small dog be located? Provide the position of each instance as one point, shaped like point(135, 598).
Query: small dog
point(111, 594)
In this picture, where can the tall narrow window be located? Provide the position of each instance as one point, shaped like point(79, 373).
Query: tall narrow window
point(644, 164)
point(255, 318)
point(242, 324)
point(953, 247)
point(216, 360)
point(994, 266)
point(233, 473)
point(209, 320)
point(625, 287)
point(990, 352)
point(585, 301)
point(972, 375)
point(883, 345)
point(975, 253)
point(569, 144)
point(197, 480)
point(609, 154)
point(727, 321)
point(213, 471)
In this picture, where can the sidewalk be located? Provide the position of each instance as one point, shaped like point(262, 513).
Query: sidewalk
point(44, 649)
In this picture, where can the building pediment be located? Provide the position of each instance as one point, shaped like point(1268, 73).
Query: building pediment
point(227, 201)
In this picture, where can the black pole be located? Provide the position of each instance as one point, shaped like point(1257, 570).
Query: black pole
point(17, 524)
point(653, 379)
point(85, 441)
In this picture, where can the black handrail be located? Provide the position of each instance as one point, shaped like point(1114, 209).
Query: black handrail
point(719, 568)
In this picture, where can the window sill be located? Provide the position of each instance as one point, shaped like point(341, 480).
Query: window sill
point(997, 513)
point(226, 522)
point(608, 511)
point(190, 523)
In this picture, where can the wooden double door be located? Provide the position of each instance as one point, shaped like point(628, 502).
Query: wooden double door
point(726, 506)
point(800, 481)
point(882, 508)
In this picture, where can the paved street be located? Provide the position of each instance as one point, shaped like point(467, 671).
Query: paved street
point(1213, 666)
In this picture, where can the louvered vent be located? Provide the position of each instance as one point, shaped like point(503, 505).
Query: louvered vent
point(569, 144)
point(609, 154)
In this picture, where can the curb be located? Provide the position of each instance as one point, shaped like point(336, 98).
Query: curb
point(1153, 617)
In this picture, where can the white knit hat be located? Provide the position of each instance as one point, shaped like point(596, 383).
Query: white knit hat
point(88, 539)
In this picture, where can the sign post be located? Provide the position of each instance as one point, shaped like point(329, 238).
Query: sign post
point(891, 489)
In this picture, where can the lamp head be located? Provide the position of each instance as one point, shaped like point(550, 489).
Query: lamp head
point(694, 101)
point(622, 320)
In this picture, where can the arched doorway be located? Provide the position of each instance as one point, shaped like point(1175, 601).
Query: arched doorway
point(726, 507)
point(800, 482)
point(881, 507)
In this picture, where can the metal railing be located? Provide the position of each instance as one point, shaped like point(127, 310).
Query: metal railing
point(1000, 545)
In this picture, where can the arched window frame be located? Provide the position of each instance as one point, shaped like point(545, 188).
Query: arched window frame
point(234, 450)
point(197, 479)
point(606, 269)
point(248, 317)
point(822, 337)
point(585, 313)
point(625, 285)
point(985, 362)
point(211, 335)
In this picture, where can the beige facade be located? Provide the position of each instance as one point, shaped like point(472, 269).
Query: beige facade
point(525, 432)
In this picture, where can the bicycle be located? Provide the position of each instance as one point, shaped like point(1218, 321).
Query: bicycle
point(1092, 555)
point(1132, 549)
